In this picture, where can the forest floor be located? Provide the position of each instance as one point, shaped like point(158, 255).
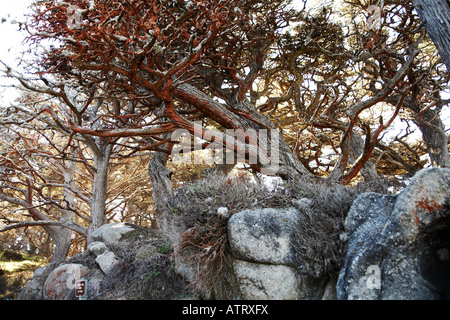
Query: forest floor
point(16, 269)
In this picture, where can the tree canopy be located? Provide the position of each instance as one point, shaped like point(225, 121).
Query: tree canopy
point(111, 81)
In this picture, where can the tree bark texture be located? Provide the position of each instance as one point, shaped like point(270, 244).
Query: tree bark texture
point(99, 188)
point(162, 187)
point(435, 138)
point(436, 16)
point(62, 235)
point(433, 132)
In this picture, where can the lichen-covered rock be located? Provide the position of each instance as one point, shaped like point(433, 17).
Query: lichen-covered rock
point(399, 246)
point(60, 284)
point(263, 235)
point(265, 262)
point(267, 282)
point(107, 261)
point(97, 248)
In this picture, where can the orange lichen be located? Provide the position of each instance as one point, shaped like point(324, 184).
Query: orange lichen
point(427, 206)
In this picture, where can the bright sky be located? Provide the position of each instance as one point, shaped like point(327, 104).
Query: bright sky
point(11, 12)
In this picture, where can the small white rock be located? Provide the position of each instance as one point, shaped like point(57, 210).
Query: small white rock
point(107, 261)
point(223, 212)
point(97, 248)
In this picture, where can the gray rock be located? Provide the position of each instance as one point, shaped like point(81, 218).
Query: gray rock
point(97, 248)
point(398, 244)
point(263, 235)
point(107, 261)
point(33, 290)
point(112, 233)
point(303, 203)
point(330, 289)
point(265, 263)
point(267, 282)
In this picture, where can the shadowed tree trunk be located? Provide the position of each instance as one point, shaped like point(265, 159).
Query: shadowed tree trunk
point(436, 16)
point(62, 235)
point(432, 128)
point(162, 187)
point(433, 134)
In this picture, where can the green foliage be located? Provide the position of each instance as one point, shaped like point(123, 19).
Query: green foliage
point(164, 248)
point(8, 255)
point(152, 274)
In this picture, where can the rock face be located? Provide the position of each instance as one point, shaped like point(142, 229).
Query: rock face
point(111, 233)
point(259, 281)
point(263, 235)
point(399, 246)
point(262, 253)
point(264, 260)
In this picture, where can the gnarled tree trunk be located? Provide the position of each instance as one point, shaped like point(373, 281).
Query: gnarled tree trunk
point(99, 188)
point(162, 187)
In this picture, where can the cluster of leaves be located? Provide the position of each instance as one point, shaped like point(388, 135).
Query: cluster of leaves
point(336, 76)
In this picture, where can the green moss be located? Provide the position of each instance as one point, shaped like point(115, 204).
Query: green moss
point(164, 248)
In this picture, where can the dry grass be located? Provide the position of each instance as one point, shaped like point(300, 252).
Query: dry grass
point(200, 236)
point(146, 272)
